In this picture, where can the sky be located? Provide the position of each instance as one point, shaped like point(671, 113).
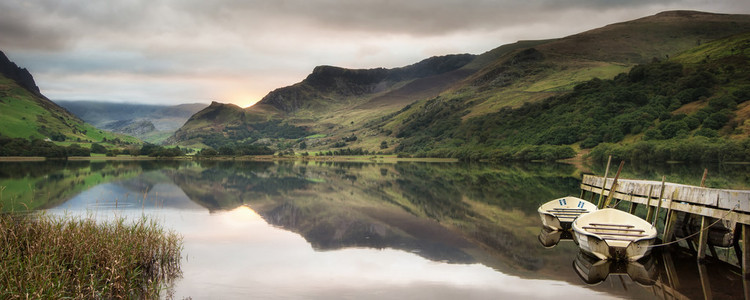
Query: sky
point(236, 51)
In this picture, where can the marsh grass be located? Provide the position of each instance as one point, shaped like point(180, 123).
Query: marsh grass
point(43, 256)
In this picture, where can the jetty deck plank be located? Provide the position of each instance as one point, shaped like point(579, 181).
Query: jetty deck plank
point(720, 198)
point(733, 205)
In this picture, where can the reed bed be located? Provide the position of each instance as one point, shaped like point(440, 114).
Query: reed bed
point(43, 256)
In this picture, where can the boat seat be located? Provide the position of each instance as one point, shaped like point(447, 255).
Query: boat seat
point(611, 225)
point(570, 209)
point(619, 234)
point(618, 239)
point(566, 213)
point(616, 229)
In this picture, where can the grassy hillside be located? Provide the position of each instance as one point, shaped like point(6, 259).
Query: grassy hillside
point(29, 116)
point(535, 99)
point(664, 103)
point(330, 100)
point(540, 95)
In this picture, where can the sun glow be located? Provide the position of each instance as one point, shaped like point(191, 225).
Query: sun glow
point(242, 214)
point(242, 99)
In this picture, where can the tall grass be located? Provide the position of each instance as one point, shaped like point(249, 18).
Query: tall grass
point(43, 256)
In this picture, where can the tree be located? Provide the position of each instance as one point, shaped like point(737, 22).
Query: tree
point(208, 152)
point(97, 148)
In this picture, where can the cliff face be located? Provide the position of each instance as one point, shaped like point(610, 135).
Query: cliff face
point(330, 85)
point(20, 75)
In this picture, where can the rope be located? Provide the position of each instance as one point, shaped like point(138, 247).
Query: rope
point(697, 232)
point(620, 200)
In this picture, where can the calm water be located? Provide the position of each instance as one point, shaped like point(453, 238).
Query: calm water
point(368, 230)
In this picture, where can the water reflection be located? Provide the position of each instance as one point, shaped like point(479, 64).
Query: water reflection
point(338, 230)
point(550, 238)
point(594, 271)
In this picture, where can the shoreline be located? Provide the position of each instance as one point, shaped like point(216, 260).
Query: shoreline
point(266, 158)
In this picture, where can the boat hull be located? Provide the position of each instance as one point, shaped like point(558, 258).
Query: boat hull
point(560, 213)
point(614, 235)
point(601, 249)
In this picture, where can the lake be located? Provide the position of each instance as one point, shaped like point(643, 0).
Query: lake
point(336, 230)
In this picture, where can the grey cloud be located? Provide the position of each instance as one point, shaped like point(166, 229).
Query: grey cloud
point(19, 30)
point(187, 44)
point(417, 17)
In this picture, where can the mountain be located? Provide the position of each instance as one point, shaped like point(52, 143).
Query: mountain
point(28, 114)
point(21, 76)
point(291, 111)
point(327, 85)
point(445, 106)
point(151, 123)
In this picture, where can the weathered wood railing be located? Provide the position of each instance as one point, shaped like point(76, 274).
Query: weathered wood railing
point(702, 201)
point(731, 205)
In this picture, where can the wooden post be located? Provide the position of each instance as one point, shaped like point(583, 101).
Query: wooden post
point(604, 185)
point(614, 185)
point(668, 234)
point(705, 283)
point(658, 201)
point(703, 240)
point(703, 180)
point(650, 212)
point(674, 279)
point(745, 251)
point(669, 221)
point(632, 208)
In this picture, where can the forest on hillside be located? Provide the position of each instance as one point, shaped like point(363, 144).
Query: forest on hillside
point(662, 109)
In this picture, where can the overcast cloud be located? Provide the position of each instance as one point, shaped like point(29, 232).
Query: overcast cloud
point(181, 51)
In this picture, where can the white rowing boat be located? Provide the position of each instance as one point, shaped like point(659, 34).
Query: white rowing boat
point(558, 214)
point(613, 234)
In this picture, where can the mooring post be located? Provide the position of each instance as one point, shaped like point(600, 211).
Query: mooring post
point(669, 221)
point(746, 252)
point(703, 239)
point(669, 226)
point(703, 180)
point(745, 259)
point(633, 206)
point(604, 185)
point(614, 185)
point(658, 201)
point(650, 212)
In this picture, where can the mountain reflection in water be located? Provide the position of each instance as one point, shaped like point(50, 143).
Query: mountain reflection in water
point(337, 230)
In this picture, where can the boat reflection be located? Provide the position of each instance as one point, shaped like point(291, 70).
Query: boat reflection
point(550, 238)
point(594, 271)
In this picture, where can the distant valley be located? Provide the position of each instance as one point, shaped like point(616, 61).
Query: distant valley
point(150, 123)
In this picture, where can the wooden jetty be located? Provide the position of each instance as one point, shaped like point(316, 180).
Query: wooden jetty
point(708, 204)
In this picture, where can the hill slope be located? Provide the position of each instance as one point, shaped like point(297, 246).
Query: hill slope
point(27, 114)
point(151, 123)
point(327, 92)
point(440, 112)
